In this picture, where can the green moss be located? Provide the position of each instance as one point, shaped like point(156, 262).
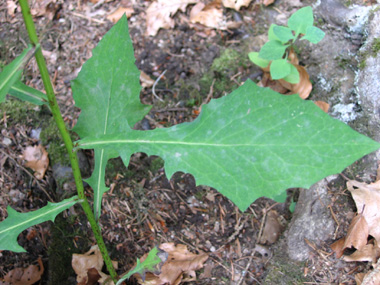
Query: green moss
point(283, 271)
point(51, 138)
point(189, 93)
point(19, 112)
point(157, 164)
point(222, 70)
point(375, 46)
point(362, 64)
point(62, 247)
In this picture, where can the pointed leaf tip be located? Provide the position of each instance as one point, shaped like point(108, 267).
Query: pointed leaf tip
point(252, 143)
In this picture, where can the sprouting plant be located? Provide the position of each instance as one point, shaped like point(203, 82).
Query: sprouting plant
point(251, 143)
point(281, 40)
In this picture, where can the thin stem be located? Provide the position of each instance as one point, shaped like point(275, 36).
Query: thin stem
point(65, 136)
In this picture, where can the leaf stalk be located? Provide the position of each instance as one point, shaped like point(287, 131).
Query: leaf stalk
point(28, 20)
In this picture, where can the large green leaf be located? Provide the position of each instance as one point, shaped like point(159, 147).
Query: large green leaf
point(251, 143)
point(16, 222)
point(12, 72)
point(301, 20)
point(107, 90)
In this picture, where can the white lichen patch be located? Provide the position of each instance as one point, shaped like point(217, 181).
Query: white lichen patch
point(345, 113)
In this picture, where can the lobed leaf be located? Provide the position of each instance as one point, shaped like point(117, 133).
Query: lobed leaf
point(107, 90)
point(313, 35)
point(12, 72)
point(272, 50)
point(251, 143)
point(16, 222)
point(279, 69)
point(301, 20)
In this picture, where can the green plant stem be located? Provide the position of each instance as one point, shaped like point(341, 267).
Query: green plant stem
point(65, 136)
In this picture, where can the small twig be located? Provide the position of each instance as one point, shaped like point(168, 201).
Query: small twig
point(154, 86)
point(246, 268)
point(30, 174)
point(87, 18)
point(210, 93)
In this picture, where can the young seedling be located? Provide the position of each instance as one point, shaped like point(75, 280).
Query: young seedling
point(251, 143)
point(276, 51)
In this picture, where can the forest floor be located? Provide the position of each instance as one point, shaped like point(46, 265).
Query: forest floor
point(144, 208)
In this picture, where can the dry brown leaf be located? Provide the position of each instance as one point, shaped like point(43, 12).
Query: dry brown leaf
point(158, 14)
point(209, 16)
point(11, 7)
point(268, 2)
point(46, 8)
point(323, 105)
point(372, 277)
point(272, 228)
point(25, 276)
point(369, 253)
point(359, 278)
point(236, 4)
point(337, 247)
point(367, 200)
point(37, 159)
point(303, 87)
point(180, 263)
point(357, 233)
point(116, 15)
point(357, 236)
point(145, 80)
point(82, 263)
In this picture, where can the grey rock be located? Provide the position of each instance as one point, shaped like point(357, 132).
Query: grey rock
point(353, 18)
point(368, 78)
point(311, 220)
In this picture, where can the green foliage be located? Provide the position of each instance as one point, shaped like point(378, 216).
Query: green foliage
point(251, 143)
point(150, 264)
point(12, 72)
point(107, 91)
point(281, 39)
point(16, 222)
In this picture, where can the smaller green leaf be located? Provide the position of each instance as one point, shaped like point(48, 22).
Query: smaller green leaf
point(279, 69)
point(272, 50)
point(284, 34)
point(154, 258)
point(254, 57)
point(29, 94)
point(16, 222)
point(12, 72)
point(301, 20)
point(313, 35)
point(294, 76)
point(271, 35)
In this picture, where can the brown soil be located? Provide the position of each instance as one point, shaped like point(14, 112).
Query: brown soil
point(144, 208)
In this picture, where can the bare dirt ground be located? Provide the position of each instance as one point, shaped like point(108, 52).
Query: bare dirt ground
point(144, 208)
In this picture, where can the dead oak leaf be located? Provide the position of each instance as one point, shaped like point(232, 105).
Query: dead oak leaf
point(25, 276)
point(116, 15)
point(236, 4)
point(180, 263)
point(209, 16)
point(83, 265)
point(37, 159)
point(272, 228)
point(369, 252)
point(357, 236)
point(159, 13)
point(367, 200)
